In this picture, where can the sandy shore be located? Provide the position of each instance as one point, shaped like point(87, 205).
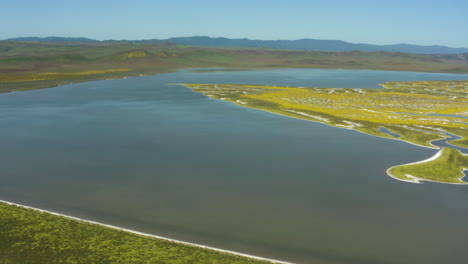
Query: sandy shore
point(420, 180)
point(325, 122)
point(224, 251)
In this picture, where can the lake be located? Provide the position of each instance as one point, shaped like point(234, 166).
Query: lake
point(146, 155)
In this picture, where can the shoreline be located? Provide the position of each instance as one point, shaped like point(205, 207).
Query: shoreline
point(246, 68)
point(323, 123)
point(420, 180)
point(219, 250)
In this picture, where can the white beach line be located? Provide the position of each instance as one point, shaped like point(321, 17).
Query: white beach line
point(309, 115)
point(352, 124)
point(322, 122)
point(339, 127)
point(421, 180)
point(349, 128)
point(368, 110)
point(416, 179)
point(153, 236)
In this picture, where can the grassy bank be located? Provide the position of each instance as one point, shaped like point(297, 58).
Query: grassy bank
point(26, 65)
point(30, 236)
point(415, 112)
point(447, 167)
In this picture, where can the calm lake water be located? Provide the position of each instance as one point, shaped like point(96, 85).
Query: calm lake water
point(161, 159)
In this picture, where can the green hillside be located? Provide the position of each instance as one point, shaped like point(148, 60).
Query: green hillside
point(24, 64)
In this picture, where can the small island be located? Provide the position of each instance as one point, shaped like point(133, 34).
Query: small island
point(416, 112)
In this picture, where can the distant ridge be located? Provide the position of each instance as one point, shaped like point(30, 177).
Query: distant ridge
point(56, 39)
point(300, 44)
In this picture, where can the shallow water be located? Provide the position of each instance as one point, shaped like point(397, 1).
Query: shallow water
point(159, 158)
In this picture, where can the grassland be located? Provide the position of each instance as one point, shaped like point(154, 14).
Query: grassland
point(415, 112)
point(33, 237)
point(28, 65)
point(447, 167)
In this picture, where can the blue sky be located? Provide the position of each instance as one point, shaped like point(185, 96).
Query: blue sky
point(426, 22)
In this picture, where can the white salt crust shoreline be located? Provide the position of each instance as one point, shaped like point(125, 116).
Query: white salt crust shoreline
point(414, 179)
point(421, 180)
point(317, 121)
point(224, 251)
point(324, 123)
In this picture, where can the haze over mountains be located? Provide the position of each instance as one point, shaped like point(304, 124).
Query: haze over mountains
point(300, 44)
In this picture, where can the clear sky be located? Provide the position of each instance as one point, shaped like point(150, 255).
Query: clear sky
point(424, 22)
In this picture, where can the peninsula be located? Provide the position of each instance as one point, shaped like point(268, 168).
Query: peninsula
point(416, 112)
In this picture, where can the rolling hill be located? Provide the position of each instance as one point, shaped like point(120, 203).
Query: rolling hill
point(300, 44)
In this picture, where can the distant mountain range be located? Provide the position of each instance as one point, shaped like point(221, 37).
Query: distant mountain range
point(300, 44)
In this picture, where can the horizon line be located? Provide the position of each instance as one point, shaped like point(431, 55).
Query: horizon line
point(253, 39)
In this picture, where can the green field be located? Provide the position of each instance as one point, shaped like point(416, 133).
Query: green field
point(417, 112)
point(28, 236)
point(29, 65)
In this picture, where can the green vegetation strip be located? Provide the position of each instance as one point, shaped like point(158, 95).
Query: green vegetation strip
point(446, 166)
point(417, 112)
point(31, 236)
point(58, 76)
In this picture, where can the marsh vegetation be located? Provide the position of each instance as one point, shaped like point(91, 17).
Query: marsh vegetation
point(30, 236)
point(446, 166)
point(418, 112)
